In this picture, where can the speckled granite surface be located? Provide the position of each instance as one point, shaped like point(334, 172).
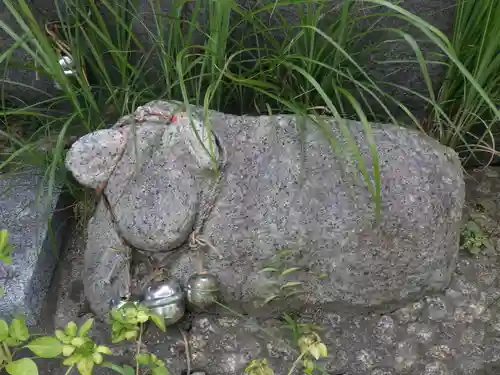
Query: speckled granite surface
point(452, 333)
point(38, 229)
point(281, 188)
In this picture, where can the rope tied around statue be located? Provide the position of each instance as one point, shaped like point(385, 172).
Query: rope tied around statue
point(196, 241)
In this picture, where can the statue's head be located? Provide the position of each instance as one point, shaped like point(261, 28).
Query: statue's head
point(154, 173)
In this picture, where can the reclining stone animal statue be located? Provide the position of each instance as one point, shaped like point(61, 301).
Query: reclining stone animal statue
point(289, 221)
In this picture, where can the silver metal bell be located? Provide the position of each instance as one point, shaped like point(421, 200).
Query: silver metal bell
point(166, 299)
point(68, 68)
point(202, 291)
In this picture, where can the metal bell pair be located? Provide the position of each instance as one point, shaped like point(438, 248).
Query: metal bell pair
point(169, 300)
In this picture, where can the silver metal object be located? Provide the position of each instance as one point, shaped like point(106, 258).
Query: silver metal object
point(68, 67)
point(166, 299)
point(202, 291)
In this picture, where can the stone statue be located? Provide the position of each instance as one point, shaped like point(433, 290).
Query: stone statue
point(286, 220)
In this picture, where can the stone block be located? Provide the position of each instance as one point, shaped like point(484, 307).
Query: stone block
point(38, 229)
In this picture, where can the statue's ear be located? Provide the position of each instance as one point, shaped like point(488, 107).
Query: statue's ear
point(93, 157)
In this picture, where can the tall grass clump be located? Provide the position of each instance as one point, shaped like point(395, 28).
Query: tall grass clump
point(218, 55)
point(468, 120)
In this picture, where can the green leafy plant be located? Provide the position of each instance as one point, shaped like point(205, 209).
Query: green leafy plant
point(280, 283)
point(5, 248)
point(79, 349)
point(468, 115)
point(127, 321)
point(12, 338)
point(147, 361)
point(5, 252)
point(473, 239)
point(311, 349)
point(151, 362)
point(259, 367)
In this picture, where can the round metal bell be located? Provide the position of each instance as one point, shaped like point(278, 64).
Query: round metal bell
point(166, 299)
point(202, 291)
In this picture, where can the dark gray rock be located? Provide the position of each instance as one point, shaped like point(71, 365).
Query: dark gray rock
point(38, 229)
point(279, 192)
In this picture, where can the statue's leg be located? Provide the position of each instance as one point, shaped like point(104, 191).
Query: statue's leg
point(106, 276)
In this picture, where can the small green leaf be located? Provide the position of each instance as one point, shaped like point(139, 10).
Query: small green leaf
point(116, 326)
point(46, 347)
point(268, 269)
point(78, 342)
point(161, 370)
point(68, 350)
point(308, 366)
point(104, 350)
point(143, 309)
point(70, 361)
point(11, 341)
point(4, 238)
point(4, 330)
point(291, 284)
point(2, 291)
point(61, 336)
point(487, 244)
point(118, 337)
point(474, 250)
point(159, 321)
point(314, 352)
point(142, 317)
point(292, 293)
point(131, 313)
point(288, 319)
point(289, 270)
point(128, 370)
point(323, 351)
point(143, 358)
point(116, 314)
point(23, 366)
point(71, 329)
point(85, 366)
point(158, 362)
point(130, 335)
point(97, 358)
point(269, 299)
point(84, 329)
point(18, 329)
point(7, 259)
point(125, 370)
